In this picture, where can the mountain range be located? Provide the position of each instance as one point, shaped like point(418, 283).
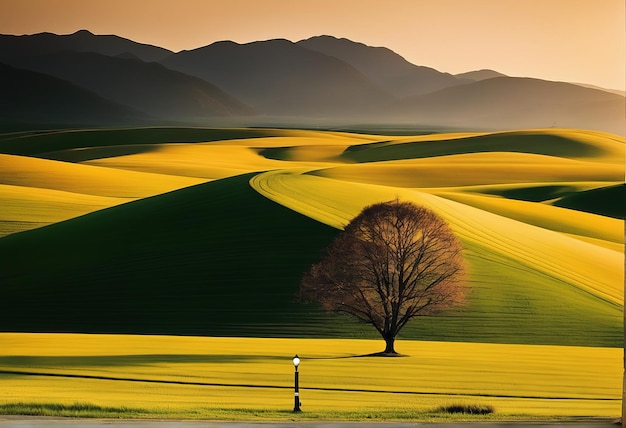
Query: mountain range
point(85, 79)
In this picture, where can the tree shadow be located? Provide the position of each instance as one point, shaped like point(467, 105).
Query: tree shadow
point(125, 360)
point(374, 354)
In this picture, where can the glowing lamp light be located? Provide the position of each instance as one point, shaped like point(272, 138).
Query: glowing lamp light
point(296, 395)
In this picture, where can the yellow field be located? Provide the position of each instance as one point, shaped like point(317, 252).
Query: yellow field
point(90, 180)
point(311, 172)
point(35, 192)
point(334, 202)
point(475, 169)
point(601, 230)
point(24, 207)
point(257, 374)
point(158, 168)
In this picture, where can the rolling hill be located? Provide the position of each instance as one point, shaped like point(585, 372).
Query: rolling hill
point(224, 257)
point(607, 200)
point(25, 208)
point(213, 252)
point(119, 219)
point(39, 144)
point(36, 192)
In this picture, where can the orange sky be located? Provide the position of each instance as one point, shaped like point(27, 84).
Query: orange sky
point(568, 40)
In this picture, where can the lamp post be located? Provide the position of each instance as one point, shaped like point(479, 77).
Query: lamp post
point(296, 395)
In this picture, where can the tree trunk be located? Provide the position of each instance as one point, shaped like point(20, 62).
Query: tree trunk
point(389, 341)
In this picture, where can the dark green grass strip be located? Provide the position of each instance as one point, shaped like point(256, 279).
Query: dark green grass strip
point(528, 142)
point(537, 193)
point(608, 201)
point(310, 388)
point(80, 410)
point(35, 143)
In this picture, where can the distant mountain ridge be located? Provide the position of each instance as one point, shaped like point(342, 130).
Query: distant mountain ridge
point(81, 41)
point(511, 102)
point(148, 87)
point(34, 98)
point(322, 80)
point(383, 66)
point(280, 77)
point(477, 75)
point(613, 91)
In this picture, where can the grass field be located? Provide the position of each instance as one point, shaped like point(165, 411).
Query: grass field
point(190, 377)
point(224, 253)
point(207, 232)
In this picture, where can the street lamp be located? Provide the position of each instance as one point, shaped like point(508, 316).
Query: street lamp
point(296, 395)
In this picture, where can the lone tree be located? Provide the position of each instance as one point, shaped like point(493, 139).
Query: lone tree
point(393, 262)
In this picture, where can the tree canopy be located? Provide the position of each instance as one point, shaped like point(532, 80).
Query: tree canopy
point(393, 262)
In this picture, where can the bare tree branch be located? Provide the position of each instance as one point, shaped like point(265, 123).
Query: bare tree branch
point(395, 261)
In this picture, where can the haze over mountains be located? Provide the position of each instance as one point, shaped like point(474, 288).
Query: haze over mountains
point(278, 77)
point(145, 86)
point(34, 98)
point(384, 67)
point(319, 81)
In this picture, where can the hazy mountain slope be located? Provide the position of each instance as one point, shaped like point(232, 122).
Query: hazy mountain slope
point(34, 98)
point(478, 75)
point(612, 91)
point(319, 81)
point(82, 41)
point(149, 87)
point(510, 102)
point(281, 78)
point(383, 66)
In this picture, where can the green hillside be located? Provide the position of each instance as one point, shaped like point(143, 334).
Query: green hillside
point(528, 284)
point(220, 259)
point(211, 259)
point(225, 257)
point(609, 201)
